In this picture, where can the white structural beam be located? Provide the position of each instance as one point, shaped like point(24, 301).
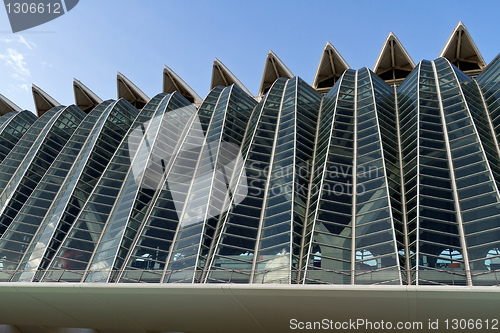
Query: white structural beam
point(43, 101)
point(85, 98)
point(393, 62)
point(273, 70)
point(6, 106)
point(173, 82)
point(130, 92)
point(330, 68)
point(222, 76)
point(461, 50)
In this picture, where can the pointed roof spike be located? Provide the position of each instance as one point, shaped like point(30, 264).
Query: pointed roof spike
point(222, 76)
point(85, 98)
point(130, 92)
point(43, 101)
point(6, 106)
point(273, 70)
point(461, 50)
point(393, 63)
point(172, 82)
point(330, 68)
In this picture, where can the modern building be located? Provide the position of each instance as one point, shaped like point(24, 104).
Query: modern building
point(386, 177)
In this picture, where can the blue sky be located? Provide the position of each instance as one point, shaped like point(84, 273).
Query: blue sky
point(137, 37)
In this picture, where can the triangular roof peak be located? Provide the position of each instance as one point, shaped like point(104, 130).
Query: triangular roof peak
point(222, 76)
point(130, 92)
point(85, 98)
point(330, 68)
point(393, 63)
point(273, 70)
point(172, 82)
point(461, 50)
point(6, 106)
point(43, 101)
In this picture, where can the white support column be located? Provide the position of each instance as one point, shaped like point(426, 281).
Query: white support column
point(461, 232)
point(354, 181)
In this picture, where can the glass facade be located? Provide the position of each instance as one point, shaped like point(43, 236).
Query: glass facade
point(370, 183)
point(354, 219)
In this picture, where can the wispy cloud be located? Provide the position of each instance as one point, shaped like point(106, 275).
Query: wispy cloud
point(6, 40)
point(29, 45)
point(19, 87)
point(19, 39)
point(13, 57)
point(17, 64)
point(45, 64)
